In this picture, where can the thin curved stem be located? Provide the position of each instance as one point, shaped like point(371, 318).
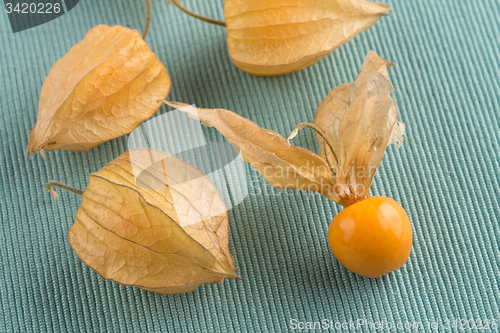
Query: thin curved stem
point(317, 130)
point(52, 183)
point(148, 20)
point(199, 17)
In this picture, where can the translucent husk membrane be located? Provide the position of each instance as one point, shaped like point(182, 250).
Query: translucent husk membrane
point(355, 123)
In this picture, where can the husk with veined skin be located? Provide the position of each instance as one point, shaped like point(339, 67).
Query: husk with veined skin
point(150, 220)
point(277, 37)
point(103, 88)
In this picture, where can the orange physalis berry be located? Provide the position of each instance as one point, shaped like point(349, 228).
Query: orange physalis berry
point(371, 237)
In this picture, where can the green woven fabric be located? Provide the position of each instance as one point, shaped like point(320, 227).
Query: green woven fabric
point(446, 175)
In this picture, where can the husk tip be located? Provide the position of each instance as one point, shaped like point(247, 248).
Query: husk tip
point(234, 276)
point(32, 148)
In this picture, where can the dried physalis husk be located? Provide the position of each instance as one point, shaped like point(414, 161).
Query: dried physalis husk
point(101, 89)
point(282, 164)
point(358, 119)
point(150, 220)
point(277, 37)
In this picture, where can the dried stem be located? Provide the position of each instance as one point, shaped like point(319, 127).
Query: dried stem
point(203, 18)
point(55, 183)
point(317, 130)
point(148, 20)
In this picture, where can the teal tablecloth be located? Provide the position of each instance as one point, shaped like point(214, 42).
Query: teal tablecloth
point(446, 175)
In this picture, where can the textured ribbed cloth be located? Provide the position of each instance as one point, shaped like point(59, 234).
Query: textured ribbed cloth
point(446, 175)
